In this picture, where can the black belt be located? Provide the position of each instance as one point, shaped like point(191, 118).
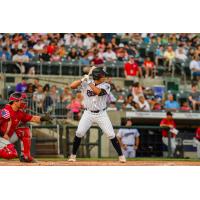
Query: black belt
point(95, 111)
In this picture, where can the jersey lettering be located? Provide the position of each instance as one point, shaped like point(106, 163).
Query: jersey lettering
point(90, 93)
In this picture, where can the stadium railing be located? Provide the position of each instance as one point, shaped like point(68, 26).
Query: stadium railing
point(70, 68)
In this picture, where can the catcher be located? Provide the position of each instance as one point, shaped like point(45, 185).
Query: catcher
point(13, 119)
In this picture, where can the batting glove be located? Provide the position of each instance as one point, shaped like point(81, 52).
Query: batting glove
point(85, 78)
point(93, 67)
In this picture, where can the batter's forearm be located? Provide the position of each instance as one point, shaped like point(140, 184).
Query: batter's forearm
point(75, 84)
point(95, 89)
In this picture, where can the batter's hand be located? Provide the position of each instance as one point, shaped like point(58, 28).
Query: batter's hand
point(85, 78)
point(92, 68)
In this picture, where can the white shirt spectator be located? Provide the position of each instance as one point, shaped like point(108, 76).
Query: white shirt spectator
point(110, 55)
point(180, 54)
point(20, 58)
point(194, 65)
point(88, 41)
point(38, 46)
point(144, 106)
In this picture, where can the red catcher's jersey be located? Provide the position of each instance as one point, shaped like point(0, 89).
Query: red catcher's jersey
point(7, 114)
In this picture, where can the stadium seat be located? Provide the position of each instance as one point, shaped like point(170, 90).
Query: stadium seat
point(159, 91)
point(172, 84)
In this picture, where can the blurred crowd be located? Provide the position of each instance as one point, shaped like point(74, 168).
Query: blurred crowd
point(147, 50)
point(64, 101)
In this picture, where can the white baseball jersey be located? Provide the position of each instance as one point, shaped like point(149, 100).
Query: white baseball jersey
point(128, 135)
point(92, 101)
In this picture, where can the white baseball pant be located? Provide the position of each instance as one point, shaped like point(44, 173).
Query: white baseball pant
point(101, 119)
point(173, 143)
point(129, 152)
point(196, 143)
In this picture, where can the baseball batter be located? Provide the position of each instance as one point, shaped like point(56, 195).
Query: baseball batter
point(129, 140)
point(95, 94)
point(12, 127)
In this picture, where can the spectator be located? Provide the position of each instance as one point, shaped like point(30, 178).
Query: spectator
point(38, 99)
point(97, 59)
point(46, 89)
point(72, 54)
point(112, 106)
point(181, 54)
point(195, 67)
point(78, 41)
point(51, 48)
point(159, 59)
point(36, 83)
point(44, 56)
point(131, 70)
point(143, 104)
point(169, 56)
point(20, 59)
point(75, 108)
point(109, 55)
point(5, 54)
point(171, 104)
point(137, 92)
point(21, 87)
point(66, 96)
point(84, 59)
point(55, 57)
point(149, 67)
point(89, 41)
point(61, 51)
point(38, 47)
point(129, 139)
point(102, 44)
point(54, 95)
point(129, 103)
point(29, 89)
point(156, 105)
point(194, 97)
point(185, 106)
point(121, 54)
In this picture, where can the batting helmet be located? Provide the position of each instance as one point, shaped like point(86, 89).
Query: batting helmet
point(98, 73)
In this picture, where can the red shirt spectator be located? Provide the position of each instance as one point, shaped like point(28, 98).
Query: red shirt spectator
point(51, 48)
point(149, 64)
point(131, 68)
point(168, 122)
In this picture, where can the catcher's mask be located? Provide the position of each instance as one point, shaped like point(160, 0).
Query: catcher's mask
point(98, 73)
point(17, 96)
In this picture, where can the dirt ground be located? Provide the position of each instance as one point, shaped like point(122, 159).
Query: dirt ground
point(101, 163)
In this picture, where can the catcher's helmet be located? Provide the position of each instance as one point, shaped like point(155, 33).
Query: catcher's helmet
point(98, 73)
point(17, 96)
